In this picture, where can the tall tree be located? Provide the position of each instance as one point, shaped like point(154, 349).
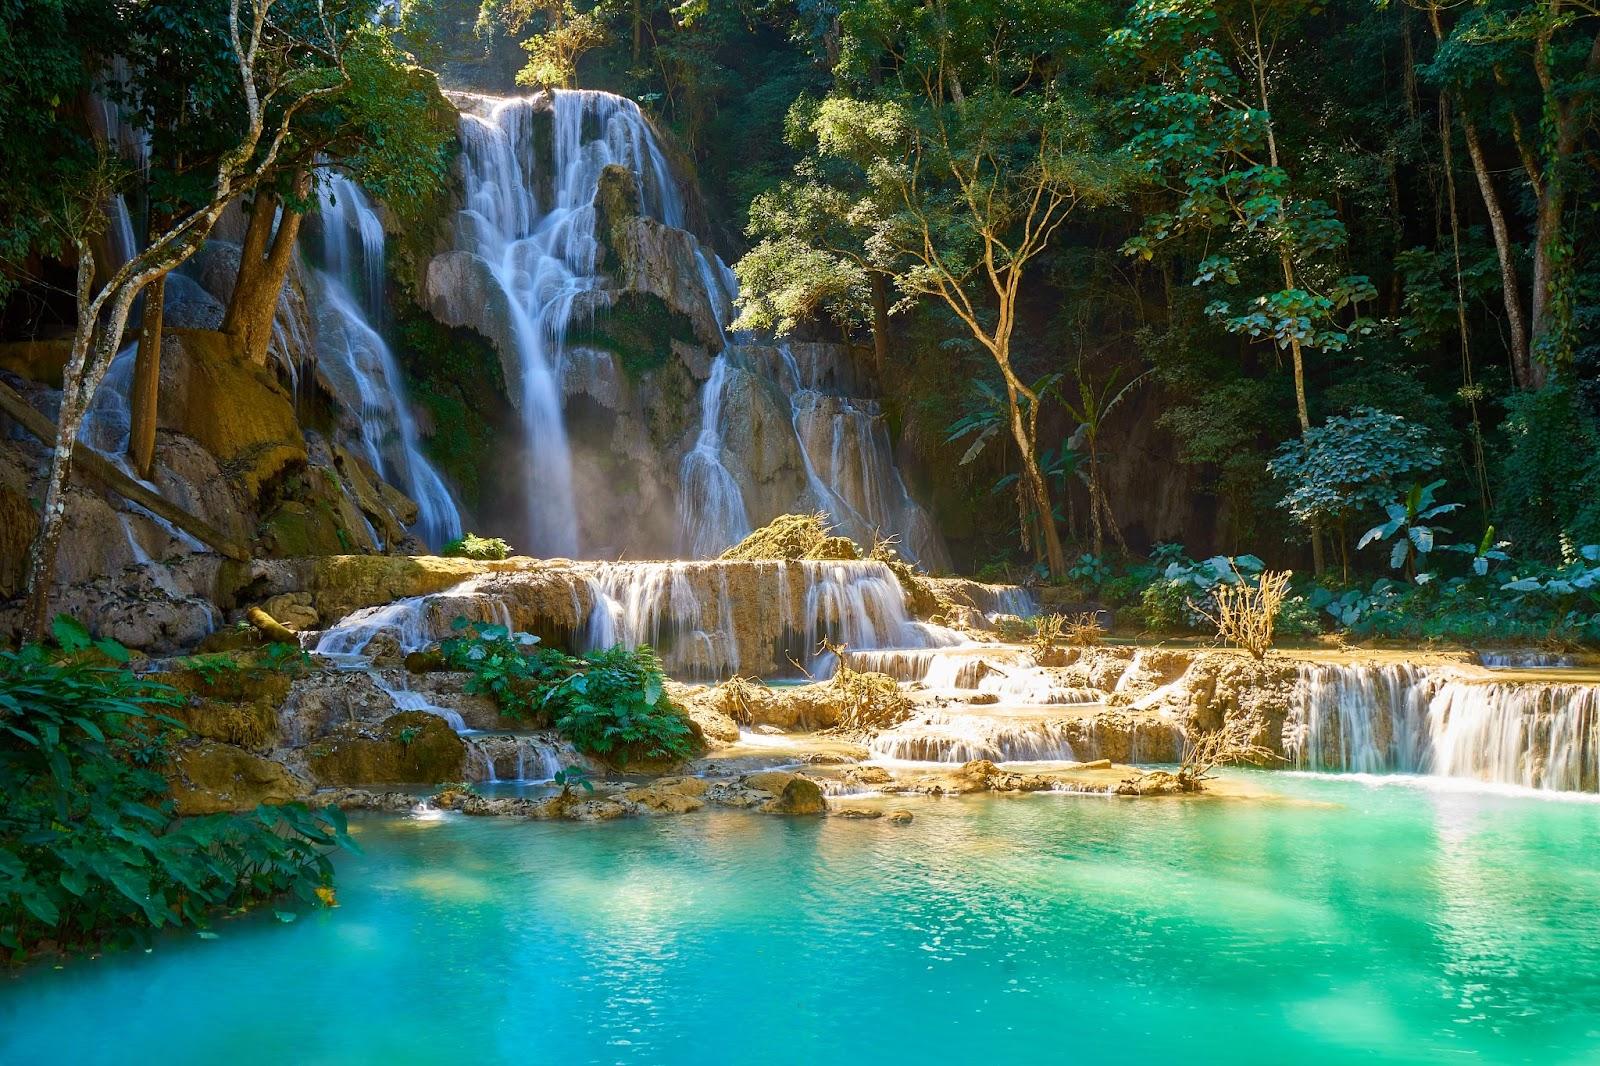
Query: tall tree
point(1201, 125)
point(953, 148)
point(284, 60)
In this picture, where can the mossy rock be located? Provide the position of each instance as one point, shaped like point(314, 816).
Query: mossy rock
point(207, 777)
point(412, 747)
point(234, 408)
point(229, 677)
point(343, 583)
point(251, 726)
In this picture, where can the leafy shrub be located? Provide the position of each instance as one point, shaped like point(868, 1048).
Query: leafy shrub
point(92, 855)
point(473, 546)
point(512, 668)
point(1164, 607)
point(1351, 464)
point(610, 703)
point(1297, 618)
point(1549, 471)
point(615, 705)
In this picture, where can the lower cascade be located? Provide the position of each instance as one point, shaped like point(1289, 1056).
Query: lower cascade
point(1429, 720)
point(708, 620)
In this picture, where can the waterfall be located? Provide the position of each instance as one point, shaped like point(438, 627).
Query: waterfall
point(524, 269)
point(540, 261)
point(850, 463)
point(1410, 719)
point(707, 619)
point(360, 362)
point(711, 511)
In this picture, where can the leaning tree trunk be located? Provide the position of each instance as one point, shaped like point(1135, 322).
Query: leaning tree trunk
point(1054, 557)
point(143, 404)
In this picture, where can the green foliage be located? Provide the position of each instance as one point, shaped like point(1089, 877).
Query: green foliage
point(574, 775)
point(91, 853)
point(615, 705)
point(513, 668)
point(611, 703)
point(1351, 464)
point(472, 546)
point(1548, 484)
point(1410, 526)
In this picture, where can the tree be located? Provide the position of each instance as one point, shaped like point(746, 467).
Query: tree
point(1349, 466)
point(1204, 131)
point(284, 60)
point(949, 172)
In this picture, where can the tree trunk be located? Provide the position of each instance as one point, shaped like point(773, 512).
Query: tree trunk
point(142, 405)
point(264, 262)
point(880, 325)
point(1510, 287)
point(1054, 557)
point(1552, 253)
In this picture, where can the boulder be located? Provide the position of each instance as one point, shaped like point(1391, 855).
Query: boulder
point(234, 409)
point(669, 795)
point(207, 777)
point(800, 796)
point(412, 747)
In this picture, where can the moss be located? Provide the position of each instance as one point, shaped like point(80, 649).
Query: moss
point(455, 375)
point(639, 330)
point(792, 536)
point(412, 747)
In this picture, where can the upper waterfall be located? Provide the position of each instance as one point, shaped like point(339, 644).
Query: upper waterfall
point(572, 221)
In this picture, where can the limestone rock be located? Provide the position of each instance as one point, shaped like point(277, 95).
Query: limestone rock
point(412, 747)
point(293, 610)
point(669, 795)
point(207, 777)
point(800, 795)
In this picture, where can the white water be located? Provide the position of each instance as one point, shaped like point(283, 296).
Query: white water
point(542, 260)
point(533, 235)
point(358, 359)
point(1374, 719)
point(711, 510)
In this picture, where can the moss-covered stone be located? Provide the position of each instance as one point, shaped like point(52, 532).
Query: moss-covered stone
point(234, 408)
point(340, 584)
point(207, 777)
point(412, 747)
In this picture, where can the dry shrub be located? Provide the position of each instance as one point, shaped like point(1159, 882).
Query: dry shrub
point(1047, 629)
point(1083, 630)
point(1233, 744)
point(740, 698)
point(867, 701)
point(1246, 614)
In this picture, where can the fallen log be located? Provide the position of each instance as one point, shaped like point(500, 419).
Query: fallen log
point(96, 466)
point(270, 627)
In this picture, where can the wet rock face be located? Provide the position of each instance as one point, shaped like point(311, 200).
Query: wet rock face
point(412, 747)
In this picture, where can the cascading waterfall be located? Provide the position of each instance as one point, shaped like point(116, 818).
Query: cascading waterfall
point(850, 464)
point(356, 357)
point(1409, 719)
point(542, 261)
point(711, 511)
point(530, 235)
point(707, 619)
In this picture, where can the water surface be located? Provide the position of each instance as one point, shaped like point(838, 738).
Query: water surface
point(1355, 921)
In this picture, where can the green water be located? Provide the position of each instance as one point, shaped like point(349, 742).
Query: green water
point(1376, 923)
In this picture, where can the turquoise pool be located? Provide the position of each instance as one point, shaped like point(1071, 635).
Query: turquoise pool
point(1349, 922)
